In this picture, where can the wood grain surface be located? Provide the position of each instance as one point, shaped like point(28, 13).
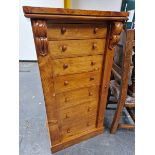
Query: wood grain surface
point(77, 96)
point(61, 11)
point(75, 81)
point(77, 65)
point(71, 48)
point(76, 31)
point(75, 51)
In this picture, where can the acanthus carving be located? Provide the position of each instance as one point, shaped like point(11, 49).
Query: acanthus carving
point(117, 28)
point(40, 36)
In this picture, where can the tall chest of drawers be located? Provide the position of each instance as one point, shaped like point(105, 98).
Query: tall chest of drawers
point(75, 53)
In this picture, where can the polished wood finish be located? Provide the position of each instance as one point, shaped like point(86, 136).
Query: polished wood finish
point(74, 19)
point(40, 35)
point(78, 96)
point(107, 66)
point(77, 138)
point(60, 11)
point(74, 81)
point(77, 65)
point(75, 51)
point(71, 48)
point(76, 31)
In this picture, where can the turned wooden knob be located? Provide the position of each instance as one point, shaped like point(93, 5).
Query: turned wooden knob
point(66, 99)
point(88, 109)
point(67, 116)
point(91, 78)
point(94, 45)
point(63, 30)
point(68, 130)
point(90, 93)
point(95, 30)
point(65, 66)
point(66, 83)
point(93, 63)
point(88, 123)
point(64, 48)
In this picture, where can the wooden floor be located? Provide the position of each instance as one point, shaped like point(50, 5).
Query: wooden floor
point(33, 133)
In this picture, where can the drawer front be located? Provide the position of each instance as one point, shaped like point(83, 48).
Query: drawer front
point(73, 48)
point(76, 31)
point(77, 65)
point(79, 118)
point(79, 111)
point(74, 128)
point(78, 96)
point(70, 82)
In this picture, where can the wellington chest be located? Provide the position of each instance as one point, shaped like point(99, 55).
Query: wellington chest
point(75, 51)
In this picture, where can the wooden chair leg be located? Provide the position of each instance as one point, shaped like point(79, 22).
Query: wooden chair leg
point(116, 118)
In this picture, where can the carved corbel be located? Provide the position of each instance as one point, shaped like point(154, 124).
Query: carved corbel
point(116, 30)
point(40, 36)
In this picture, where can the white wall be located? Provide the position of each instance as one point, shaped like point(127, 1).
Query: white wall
point(26, 43)
point(105, 5)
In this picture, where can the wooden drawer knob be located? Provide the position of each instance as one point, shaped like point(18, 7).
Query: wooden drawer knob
point(63, 30)
point(88, 109)
point(68, 130)
point(66, 99)
point(92, 78)
point(93, 63)
point(94, 45)
point(65, 66)
point(88, 124)
point(67, 116)
point(64, 48)
point(66, 83)
point(95, 30)
point(90, 94)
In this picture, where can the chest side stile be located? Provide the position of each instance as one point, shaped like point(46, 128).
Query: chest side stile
point(113, 37)
point(39, 29)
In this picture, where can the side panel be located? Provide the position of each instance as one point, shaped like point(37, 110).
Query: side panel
point(44, 61)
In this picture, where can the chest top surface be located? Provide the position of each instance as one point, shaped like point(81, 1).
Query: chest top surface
point(47, 12)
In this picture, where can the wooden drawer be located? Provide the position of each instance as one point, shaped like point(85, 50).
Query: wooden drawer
point(73, 48)
point(78, 96)
point(73, 123)
point(70, 82)
point(77, 65)
point(77, 127)
point(85, 109)
point(76, 31)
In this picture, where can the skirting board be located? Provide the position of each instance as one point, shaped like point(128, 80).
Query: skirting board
point(81, 137)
